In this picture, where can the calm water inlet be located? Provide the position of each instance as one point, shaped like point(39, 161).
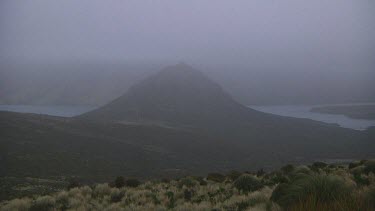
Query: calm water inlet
point(303, 111)
point(55, 110)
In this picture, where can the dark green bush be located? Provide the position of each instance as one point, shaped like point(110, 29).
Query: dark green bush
point(188, 194)
point(165, 180)
point(354, 164)
point(320, 188)
point(119, 182)
point(188, 182)
point(260, 172)
point(201, 181)
point(302, 170)
point(233, 175)
point(132, 183)
point(116, 195)
point(369, 166)
point(287, 169)
point(279, 178)
point(73, 183)
point(216, 177)
point(318, 165)
point(361, 180)
point(172, 202)
point(248, 183)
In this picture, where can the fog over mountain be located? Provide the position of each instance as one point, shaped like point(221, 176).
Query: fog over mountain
point(187, 105)
point(262, 52)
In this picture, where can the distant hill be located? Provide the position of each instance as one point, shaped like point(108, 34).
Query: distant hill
point(175, 122)
point(176, 95)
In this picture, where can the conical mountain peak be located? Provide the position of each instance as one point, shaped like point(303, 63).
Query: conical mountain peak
point(177, 94)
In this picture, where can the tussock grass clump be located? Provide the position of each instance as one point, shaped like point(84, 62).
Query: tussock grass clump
point(216, 177)
point(248, 183)
point(44, 203)
point(321, 189)
point(101, 190)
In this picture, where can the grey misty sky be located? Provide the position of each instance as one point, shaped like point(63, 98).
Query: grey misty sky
point(281, 33)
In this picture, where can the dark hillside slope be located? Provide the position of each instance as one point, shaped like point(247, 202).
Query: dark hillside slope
point(184, 97)
point(42, 146)
point(177, 121)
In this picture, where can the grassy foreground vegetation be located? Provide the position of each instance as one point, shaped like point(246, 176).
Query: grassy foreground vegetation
point(315, 187)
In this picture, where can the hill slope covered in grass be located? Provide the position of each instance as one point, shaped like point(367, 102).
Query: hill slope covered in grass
point(319, 186)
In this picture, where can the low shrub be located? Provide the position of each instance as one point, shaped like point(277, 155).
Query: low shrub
point(188, 194)
point(354, 164)
point(216, 177)
point(62, 200)
point(44, 203)
point(73, 183)
point(17, 205)
point(318, 165)
point(287, 169)
point(165, 180)
point(101, 190)
point(302, 170)
point(369, 167)
point(233, 175)
point(247, 183)
point(119, 182)
point(358, 170)
point(133, 183)
point(201, 181)
point(187, 182)
point(260, 172)
point(361, 180)
point(116, 195)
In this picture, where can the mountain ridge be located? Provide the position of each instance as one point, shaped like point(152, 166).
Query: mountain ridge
point(177, 94)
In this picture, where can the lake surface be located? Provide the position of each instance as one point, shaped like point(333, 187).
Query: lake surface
point(64, 111)
point(303, 111)
point(284, 110)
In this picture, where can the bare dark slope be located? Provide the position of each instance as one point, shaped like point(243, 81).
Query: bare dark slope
point(44, 146)
point(41, 145)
